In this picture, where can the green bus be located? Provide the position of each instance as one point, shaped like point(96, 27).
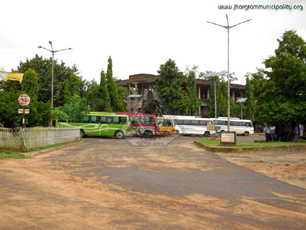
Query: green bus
point(100, 124)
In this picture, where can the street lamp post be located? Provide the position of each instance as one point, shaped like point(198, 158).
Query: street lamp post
point(215, 89)
point(241, 101)
point(228, 78)
point(53, 52)
point(52, 76)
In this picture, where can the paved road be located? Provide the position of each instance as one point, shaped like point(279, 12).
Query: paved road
point(179, 187)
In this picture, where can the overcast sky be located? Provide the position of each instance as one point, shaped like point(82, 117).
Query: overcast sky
point(140, 35)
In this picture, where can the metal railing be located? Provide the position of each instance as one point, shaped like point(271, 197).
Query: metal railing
point(31, 138)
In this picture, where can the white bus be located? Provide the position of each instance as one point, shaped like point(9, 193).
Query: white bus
point(244, 127)
point(188, 125)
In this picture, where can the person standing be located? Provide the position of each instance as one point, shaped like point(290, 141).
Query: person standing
point(267, 132)
point(295, 133)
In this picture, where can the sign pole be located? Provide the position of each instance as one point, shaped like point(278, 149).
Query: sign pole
point(23, 117)
point(23, 100)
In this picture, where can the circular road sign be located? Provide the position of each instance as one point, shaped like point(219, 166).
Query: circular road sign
point(24, 100)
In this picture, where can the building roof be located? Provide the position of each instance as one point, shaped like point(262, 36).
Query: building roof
point(149, 78)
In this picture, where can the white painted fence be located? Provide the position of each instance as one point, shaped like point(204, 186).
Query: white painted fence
point(32, 138)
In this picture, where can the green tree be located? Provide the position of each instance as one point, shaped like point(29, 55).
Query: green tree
point(193, 100)
point(211, 101)
point(9, 106)
point(116, 102)
point(222, 99)
point(72, 87)
point(221, 94)
point(40, 112)
point(283, 97)
point(249, 105)
point(258, 81)
point(168, 86)
point(235, 108)
point(104, 94)
point(74, 110)
point(1, 77)
point(93, 96)
point(43, 68)
point(30, 84)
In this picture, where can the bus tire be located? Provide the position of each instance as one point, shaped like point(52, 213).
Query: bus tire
point(206, 134)
point(246, 133)
point(119, 134)
point(82, 133)
point(140, 131)
point(148, 134)
point(177, 132)
point(166, 134)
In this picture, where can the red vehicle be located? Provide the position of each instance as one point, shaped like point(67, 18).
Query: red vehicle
point(142, 124)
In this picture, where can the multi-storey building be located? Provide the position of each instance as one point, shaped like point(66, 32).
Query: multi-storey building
point(142, 85)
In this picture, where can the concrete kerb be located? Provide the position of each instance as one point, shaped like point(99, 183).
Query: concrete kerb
point(31, 154)
point(233, 149)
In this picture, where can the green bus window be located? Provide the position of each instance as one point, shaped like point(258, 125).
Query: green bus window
point(109, 120)
point(116, 120)
point(122, 120)
point(93, 119)
point(103, 120)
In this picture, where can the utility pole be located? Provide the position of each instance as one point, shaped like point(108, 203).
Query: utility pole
point(228, 77)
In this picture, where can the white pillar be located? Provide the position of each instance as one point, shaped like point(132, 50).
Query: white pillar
point(199, 92)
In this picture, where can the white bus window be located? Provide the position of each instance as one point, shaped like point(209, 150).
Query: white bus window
point(222, 122)
point(178, 122)
point(249, 124)
point(185, 122)
point(194, 122)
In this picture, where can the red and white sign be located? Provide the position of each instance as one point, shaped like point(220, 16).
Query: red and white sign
point(24, 100)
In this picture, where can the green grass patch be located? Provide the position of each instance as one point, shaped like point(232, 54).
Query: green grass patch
point(211, 142)
point(52, 146)
point(12, 155)
point(17, 154)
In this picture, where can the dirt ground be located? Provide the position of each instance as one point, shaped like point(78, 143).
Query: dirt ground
point(289, 167)
point(286, 166)
point(96, 185)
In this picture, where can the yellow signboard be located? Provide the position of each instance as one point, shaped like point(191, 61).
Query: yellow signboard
point(14, 77)
point(211, 127)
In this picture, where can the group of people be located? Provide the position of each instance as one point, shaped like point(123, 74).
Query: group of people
point(284, 131)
